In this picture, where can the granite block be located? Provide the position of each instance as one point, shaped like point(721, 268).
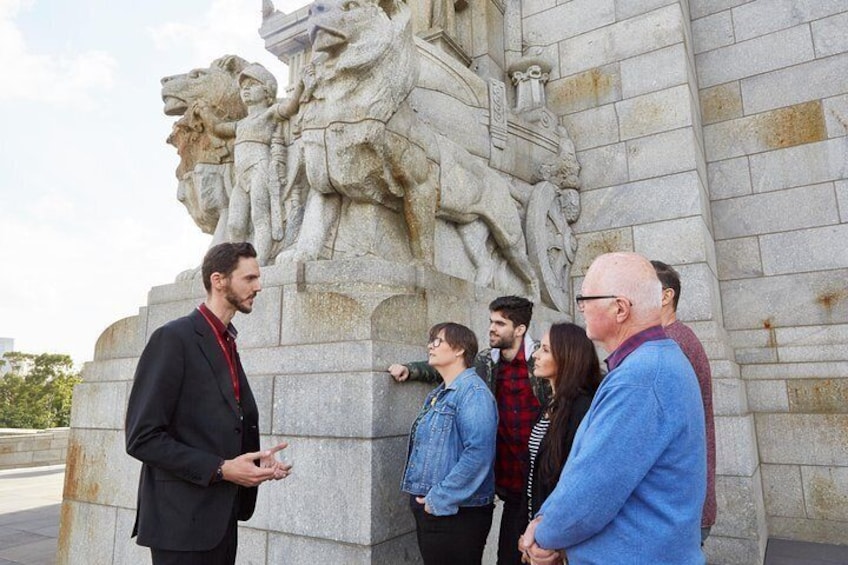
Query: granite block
point(782, 87)
point(712, 32)
point(99, 405)
point(819, 396)
point(655, 112)
point(701, 8)
point(597, 243)
point(800, 124)
point(568, 20)
point(662, 154)
point(664, 198)
point(588, 89)
point(825, 493)
point(736, 446)
point(767, 396)
point(829, 37)
point(760, 18)
point(823, 162)
point(825, 370)
point(721, 103)
point(803, 439)
point(122, 369)
point(842, 199)
point(783, 490)
point(654, 71)
point(127, 552)
point(806, 250)
point(607, 166)
point(691, 239)
point(729, 397)
point(633, 36)
point(530, 7)
point(836, 115)
point(771, 212)
point(593, 128)
point(87, 533)
point(740, 506)
point(738, 258)
point(361, 405)
point(625, 9)
point(755, 56)
point(98, 470)
point(729, 178)
point(786, 300)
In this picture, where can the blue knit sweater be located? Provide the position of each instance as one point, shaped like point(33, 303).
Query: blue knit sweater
point(633, 487)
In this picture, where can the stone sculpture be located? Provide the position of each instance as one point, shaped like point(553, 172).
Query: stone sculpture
point(358, 148)
point(204, 174)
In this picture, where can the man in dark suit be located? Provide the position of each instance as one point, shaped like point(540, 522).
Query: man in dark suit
point(193, 423)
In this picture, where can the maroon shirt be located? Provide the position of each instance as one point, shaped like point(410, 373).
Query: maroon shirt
point(518, 409)
point(694, 351)
point(226, 337)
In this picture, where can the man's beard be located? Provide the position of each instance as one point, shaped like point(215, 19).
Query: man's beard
point(498, 342)
point(240, 306)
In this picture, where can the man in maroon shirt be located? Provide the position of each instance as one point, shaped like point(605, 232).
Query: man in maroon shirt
point(507, 367)
point(694, 351)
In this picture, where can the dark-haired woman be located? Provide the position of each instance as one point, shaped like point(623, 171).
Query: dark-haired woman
point(449, 471)
point(568, 360)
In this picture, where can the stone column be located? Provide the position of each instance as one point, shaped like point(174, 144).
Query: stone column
point(315, 349)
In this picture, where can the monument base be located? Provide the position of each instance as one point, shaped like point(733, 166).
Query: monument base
point(315, 350)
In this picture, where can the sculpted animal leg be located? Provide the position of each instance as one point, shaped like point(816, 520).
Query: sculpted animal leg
point(474, 236)
point(319, 219)
point(419, 210)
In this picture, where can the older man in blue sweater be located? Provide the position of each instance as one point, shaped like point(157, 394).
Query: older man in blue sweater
point(633, 487)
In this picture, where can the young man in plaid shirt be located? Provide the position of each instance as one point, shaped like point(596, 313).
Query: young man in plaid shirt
point(507, 367)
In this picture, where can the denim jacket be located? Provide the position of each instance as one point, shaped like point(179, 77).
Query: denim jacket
point(451, 453)
point(486, 365)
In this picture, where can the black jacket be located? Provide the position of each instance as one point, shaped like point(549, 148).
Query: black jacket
point(182, 419)
point(542, 489)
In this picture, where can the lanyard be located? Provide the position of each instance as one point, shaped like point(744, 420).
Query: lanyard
point(228, 355)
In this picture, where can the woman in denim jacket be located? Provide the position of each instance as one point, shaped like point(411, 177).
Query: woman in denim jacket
point(449, 471)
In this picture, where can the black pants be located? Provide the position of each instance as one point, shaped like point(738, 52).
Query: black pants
point(453, 540)
point(513, 524)
point(222, 554)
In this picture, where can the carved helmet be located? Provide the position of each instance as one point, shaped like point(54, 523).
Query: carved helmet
point(261, 74)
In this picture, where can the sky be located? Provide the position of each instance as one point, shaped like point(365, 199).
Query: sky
point(89, 219)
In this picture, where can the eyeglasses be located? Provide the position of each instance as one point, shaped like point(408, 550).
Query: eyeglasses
point(580, 299)
point(435, 342)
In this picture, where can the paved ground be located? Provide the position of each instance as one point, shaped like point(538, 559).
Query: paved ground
point(29, 524)
point(29, 514)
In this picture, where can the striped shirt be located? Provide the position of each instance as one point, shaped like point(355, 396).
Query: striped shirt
point(536, 436)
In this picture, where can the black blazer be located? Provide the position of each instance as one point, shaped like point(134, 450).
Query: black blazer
point(541, 489)
point(182, 419)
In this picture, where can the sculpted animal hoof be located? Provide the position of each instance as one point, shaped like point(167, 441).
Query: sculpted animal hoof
point(293, 256)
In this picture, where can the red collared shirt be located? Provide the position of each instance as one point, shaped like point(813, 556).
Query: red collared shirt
point(632, 343)
point(226, 337)
point(518, 409)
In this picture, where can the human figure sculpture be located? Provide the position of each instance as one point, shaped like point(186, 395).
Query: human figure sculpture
point(256, 201)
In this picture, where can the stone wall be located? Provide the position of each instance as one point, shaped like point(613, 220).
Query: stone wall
point(773, 80)
point(31, 448)
point(712, 136)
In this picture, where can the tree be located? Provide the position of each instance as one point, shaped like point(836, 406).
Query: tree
point(36, 391)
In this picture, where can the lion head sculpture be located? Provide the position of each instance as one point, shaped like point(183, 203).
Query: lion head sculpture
point(205, 167)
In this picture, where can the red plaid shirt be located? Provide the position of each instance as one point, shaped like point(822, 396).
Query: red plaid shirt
point(518, 409)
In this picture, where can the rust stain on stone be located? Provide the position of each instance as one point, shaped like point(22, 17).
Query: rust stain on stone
point(587, 89)
point(829, 299)
point(76, 486)
point(793, 125)
point(768, 324)
point(826, 498)
point(818, 396)
point(66, 521)
point(719, 103)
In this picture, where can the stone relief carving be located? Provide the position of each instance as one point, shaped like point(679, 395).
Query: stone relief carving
point(350, 164)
